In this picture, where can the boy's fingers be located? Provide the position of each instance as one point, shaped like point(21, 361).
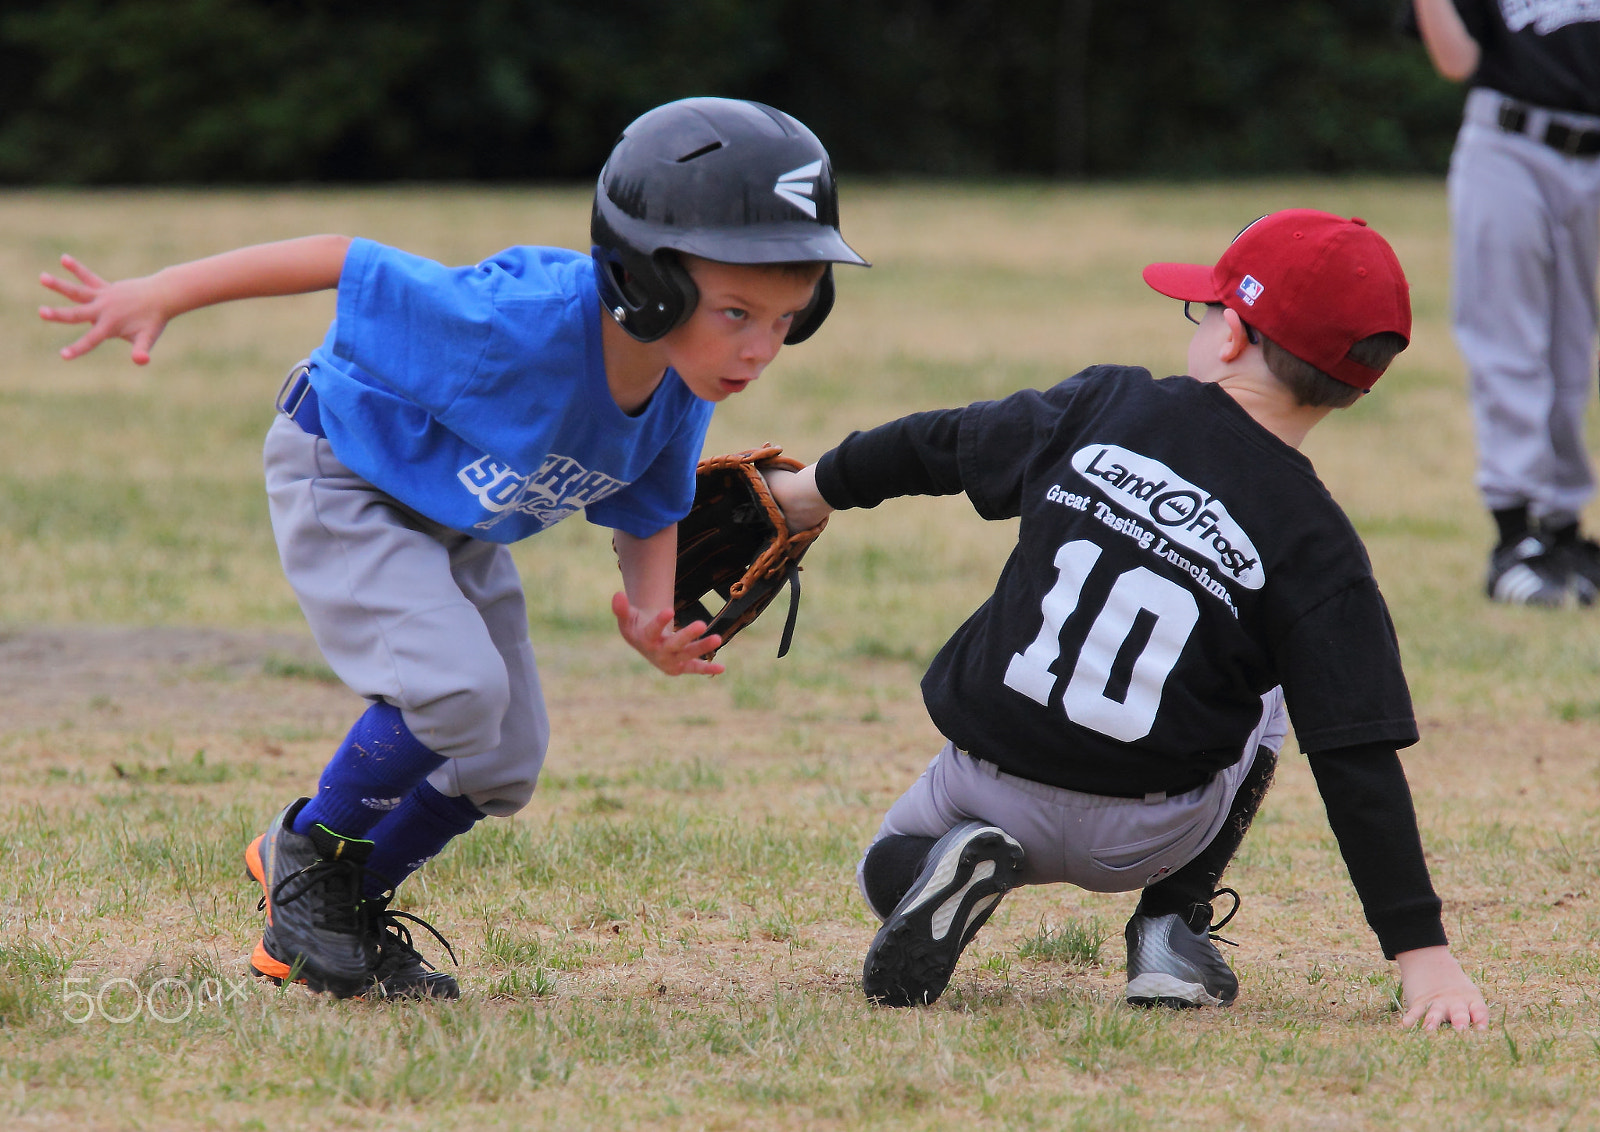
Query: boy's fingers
point(82, 272)
point(65, 289)
point(83, 345)
point(1472, 1014)
point(1420, 1012)
point(700, 646)
point(1461, 1015)
point(688, 635)
point(142, 343)
point(65, 314)
point(703, 667)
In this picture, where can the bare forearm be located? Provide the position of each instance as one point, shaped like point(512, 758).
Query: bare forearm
point(1452, 49)
point(644, 612)
point(287, 267)
point(139, 309)
point(648, 567)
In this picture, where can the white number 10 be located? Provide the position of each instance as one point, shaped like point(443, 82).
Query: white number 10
point(1140, 605)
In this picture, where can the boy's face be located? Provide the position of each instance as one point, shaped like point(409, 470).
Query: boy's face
point(738, 326)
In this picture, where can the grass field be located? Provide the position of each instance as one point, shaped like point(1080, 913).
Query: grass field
point(669, 936)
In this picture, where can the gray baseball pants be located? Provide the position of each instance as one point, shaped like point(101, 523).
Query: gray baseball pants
point(1525, 221)
point(1096, 842)
point(413, 613)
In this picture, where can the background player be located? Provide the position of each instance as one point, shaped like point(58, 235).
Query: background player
point(450, 411)
point(1525, 225)
point(1114, 711)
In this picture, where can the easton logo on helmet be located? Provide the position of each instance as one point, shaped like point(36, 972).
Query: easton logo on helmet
point(797, 185)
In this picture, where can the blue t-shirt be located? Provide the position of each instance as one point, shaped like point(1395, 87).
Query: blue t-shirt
point(477, 397)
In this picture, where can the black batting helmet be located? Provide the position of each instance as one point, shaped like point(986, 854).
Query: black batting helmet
point(720, 178)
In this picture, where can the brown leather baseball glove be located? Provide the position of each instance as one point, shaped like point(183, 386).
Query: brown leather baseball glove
point(734, 546)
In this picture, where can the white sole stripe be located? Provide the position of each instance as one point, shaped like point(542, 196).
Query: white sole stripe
point(947, 911)
point(1156, 984)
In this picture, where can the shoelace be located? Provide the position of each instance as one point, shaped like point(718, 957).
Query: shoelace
point(394, 936)
point(338, 915)
point(1222, 923)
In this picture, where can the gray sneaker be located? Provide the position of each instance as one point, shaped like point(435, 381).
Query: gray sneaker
point(913, 955)
point(1170, 964)
point(311, 892)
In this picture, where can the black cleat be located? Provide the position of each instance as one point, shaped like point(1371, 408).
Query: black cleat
point(1580, 557)
point(398, 970)
point(311, 893)
point(1531, 572)
point(913, 955)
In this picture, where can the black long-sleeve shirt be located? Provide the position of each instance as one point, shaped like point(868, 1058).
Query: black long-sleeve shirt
point(1174, 562)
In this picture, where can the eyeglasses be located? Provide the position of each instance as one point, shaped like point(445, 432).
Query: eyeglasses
point(1249, 331)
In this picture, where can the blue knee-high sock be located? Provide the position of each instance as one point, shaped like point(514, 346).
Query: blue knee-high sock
point(413, 834)
point(376, 766)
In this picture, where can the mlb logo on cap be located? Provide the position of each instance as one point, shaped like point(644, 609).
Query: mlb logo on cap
point(1250, 290)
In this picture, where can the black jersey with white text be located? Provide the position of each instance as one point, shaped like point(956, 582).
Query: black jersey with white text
point(1546, 52)
point(1174, 561)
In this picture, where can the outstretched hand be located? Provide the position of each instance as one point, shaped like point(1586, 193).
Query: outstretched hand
point(1437, 992)
point(675, 652)
point(130, 308)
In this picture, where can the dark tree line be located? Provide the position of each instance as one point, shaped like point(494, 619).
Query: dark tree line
point(142, 91)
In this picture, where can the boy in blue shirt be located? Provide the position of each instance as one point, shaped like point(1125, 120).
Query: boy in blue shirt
point(450, 411)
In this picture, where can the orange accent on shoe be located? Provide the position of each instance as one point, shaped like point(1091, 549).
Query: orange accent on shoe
point(264, 964)
point(252, 861)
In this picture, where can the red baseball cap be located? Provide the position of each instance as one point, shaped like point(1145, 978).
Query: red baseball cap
point(1315, 283)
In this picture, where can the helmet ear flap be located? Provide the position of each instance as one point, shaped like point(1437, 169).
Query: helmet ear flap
point(807, 321)
point(647, 297)
point(677, 286)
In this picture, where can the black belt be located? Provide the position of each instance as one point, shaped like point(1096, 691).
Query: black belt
point(298, 401)
point(1567, 139)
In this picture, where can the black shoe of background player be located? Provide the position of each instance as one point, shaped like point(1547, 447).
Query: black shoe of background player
point(1580, 557)
point(1530, 572)
point(913, 955)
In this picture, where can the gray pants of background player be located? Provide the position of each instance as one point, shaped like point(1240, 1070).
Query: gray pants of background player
point(1096, 842)
point(1525, 221)
point(407, 611)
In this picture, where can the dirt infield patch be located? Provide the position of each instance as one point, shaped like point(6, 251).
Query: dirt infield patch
point(130, 678)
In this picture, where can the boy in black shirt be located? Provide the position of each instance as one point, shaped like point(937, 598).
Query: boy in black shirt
point(1115, 709)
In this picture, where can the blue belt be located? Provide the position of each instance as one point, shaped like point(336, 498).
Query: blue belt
point(297, 400)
